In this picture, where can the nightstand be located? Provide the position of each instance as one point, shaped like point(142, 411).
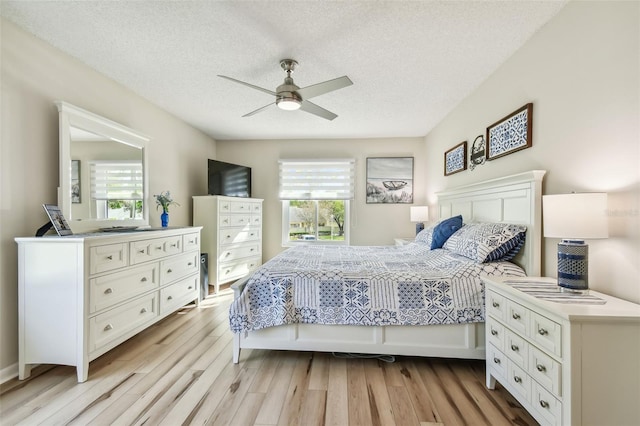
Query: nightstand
point(403, 241)
point(570, 363)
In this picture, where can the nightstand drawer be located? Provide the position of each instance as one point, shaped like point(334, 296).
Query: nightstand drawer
point(519, 380)
point(546, 333)
point(496, 305)
point(497, 361)
point(517, 349)
point(546, 404)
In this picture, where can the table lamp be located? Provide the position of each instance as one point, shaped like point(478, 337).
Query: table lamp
point(419, 214)
point(574, 218)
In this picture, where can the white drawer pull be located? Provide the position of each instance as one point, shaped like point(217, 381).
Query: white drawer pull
point(159, 248)
point(143, 279)
point(174, 245)
point(170, 298)
point(169, 271)
point(109, 257)
point(143, 310)
point(516, 316)
point(541, 368)
point(496, 360)
point(517, 379)
point(141, 251)
point(515, 348)
point(495, 304)
point(190, 264)
point(542, 332)
point(228, 236)
point(227, 254)
point(108, 291)
point(544, 404)
point(108, 327)
point(252, 249)
point(494, 332)
point(190, 287)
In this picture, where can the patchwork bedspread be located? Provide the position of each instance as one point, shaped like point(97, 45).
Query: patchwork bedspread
point(364, 285)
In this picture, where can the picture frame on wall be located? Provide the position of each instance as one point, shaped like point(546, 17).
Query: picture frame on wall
point(510, 134)
point(455, 159)
point(75, 182)
point(390, 180)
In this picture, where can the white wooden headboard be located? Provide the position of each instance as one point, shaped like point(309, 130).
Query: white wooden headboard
point(512, 199)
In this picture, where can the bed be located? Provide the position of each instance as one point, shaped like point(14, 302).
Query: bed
point(449, 322)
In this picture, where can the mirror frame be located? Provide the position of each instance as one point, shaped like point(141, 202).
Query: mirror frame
point(73, 116)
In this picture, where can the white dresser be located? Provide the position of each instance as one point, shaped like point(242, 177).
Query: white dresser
point(80, 296)
point(566, 363)
point(231, 235)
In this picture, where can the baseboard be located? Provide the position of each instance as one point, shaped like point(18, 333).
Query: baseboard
point(8, 373)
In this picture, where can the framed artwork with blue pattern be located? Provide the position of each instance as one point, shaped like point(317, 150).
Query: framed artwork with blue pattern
point(455, 160)
point(511, 133)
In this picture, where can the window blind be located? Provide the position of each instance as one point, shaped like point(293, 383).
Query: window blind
point(116, 180)
point(317, 179)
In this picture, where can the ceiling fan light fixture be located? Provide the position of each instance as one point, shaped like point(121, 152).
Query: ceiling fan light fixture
point(288, 103)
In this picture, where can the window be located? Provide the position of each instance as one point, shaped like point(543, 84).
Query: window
point(116, 188)
point(315, 198)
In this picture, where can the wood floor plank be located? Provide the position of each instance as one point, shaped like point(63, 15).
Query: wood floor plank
point(337, 413)
point(179, 372)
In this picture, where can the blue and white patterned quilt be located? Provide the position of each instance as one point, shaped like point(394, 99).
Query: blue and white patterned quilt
point(364, 285)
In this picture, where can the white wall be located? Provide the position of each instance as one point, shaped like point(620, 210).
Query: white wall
point(372, 224)
point(33, 76)
point(581, 71)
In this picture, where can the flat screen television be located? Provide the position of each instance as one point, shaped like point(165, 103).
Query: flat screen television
point(229, 179)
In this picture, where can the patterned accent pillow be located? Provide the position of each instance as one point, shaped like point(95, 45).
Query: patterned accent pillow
point(487, 242)
point(444, 230)
point(425, 236)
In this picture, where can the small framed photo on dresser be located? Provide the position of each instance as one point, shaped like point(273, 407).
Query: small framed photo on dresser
point(57, 220)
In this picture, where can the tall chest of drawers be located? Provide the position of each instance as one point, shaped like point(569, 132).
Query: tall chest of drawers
point(567, 363)
point(231, 235)
point(80, 296)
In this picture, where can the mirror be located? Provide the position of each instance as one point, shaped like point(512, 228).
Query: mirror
point(103, 172)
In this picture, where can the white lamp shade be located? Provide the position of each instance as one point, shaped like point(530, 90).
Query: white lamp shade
point(575, 216)
point(420, 214)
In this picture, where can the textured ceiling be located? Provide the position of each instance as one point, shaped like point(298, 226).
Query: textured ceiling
point(411, 62)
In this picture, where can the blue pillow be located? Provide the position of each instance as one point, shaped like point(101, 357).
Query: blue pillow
point(444, 230)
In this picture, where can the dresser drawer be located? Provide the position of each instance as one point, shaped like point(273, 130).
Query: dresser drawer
point(517, 349)
point(178, 267)
point(178, 294)
point(147, 250)
point(497, 361)
point(115, 323)
point(238, 252)
point(228, 220)
point(234, 270)
point(517, 317)
point(496, 305)
point(240, 207)
point(549, 407)
point(495, 333)
point(519, 380)
point(107, 258)
point(545, 370)
point(546, 333)
point(108, 290)
point(256, 220)
point(191, 241)
point(233, 236)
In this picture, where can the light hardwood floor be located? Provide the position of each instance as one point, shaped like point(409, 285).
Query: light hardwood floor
point(179, 372)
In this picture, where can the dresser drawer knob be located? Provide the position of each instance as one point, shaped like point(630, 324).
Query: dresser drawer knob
point(143, 279)
point(495, 304)
point(515, 348)
point(141, 251)
point(544, 404)
point(169, 271)
point(190, 264)
point(496, 360)
point(542, 332)
point(143, 310)
point(159, 248)
point(494, 332)
point(515, 316)
point(108, 327)
point(108, 291)
point(174, 245)
point(227, 254)
point(170, 298)
point(109, 257)
point(541, 368)
point(517, 379)
point(190, 287)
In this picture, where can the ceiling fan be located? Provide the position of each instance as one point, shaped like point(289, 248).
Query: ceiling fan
point(290, 97)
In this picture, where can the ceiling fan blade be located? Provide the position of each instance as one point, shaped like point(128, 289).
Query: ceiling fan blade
point(316, 110)
point(270, 92)
point(258, 110)
point(324, 87)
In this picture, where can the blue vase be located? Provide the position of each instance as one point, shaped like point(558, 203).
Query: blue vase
point(164, 217)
